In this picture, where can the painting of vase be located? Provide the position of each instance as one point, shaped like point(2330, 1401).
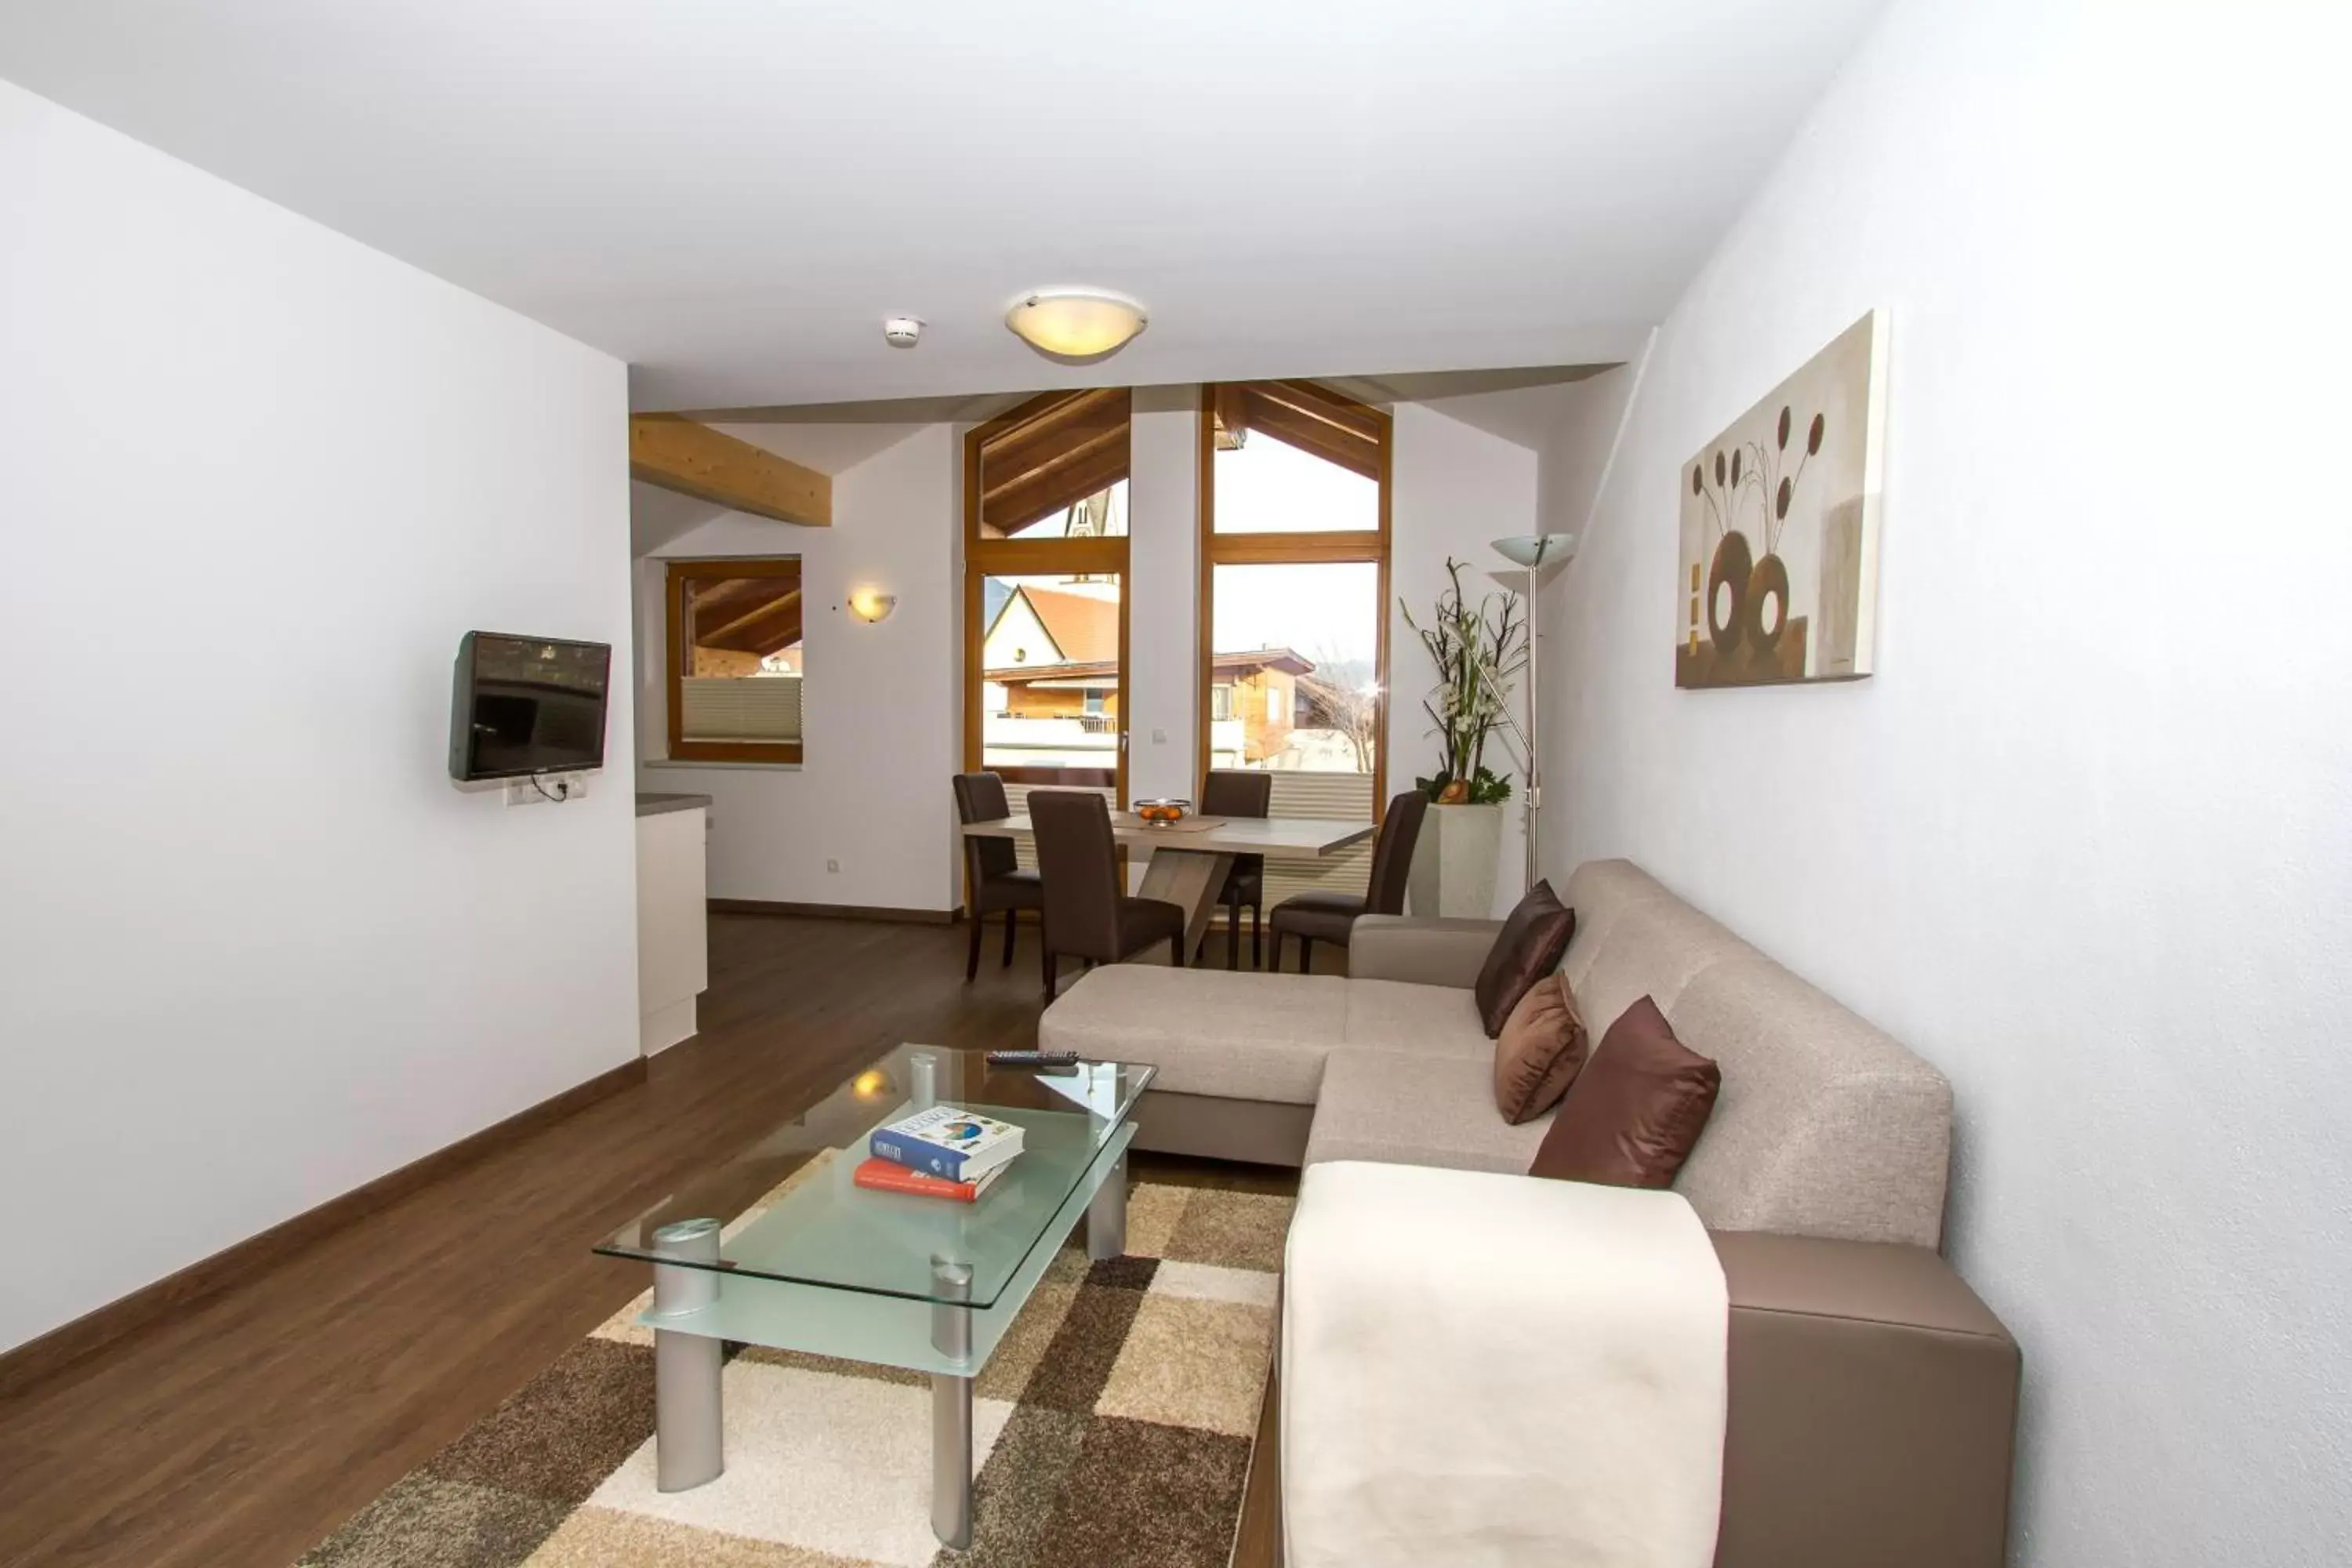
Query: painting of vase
point(1778, 582)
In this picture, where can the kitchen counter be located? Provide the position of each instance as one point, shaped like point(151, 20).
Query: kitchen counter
point(672, 949)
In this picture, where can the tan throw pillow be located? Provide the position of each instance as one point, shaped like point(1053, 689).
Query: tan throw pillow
point(1540, 1051)
point(1529, 947)
point(1637, 1109)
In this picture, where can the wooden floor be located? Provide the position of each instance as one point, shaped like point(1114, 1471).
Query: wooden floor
point(242, 1429)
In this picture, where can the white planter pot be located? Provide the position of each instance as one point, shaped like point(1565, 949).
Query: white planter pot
point(1453, 863)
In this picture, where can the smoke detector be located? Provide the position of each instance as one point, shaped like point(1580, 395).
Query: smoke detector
point(902, 332)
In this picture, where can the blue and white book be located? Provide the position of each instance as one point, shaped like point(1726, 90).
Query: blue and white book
point(960, 1145)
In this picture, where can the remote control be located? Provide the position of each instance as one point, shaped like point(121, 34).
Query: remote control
point(1048, 1061)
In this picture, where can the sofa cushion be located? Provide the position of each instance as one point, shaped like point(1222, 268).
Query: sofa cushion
point(1528, 948)
point(1209, 1031)
point(1653, 950)
point(1636, 1109)
point(1825, 1125)
point(1542, 1048)
point(1415, 1020)
point(1418, 1110)
point(1600, 891)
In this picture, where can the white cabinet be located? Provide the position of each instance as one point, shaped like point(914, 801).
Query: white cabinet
point(673, 942)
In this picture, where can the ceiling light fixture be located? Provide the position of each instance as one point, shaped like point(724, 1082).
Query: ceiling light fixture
point(1076, 325)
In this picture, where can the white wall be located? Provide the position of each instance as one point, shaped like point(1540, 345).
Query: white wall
point(881, 710)
point(1455, 491)
point(2085, 840)
point(256, 481)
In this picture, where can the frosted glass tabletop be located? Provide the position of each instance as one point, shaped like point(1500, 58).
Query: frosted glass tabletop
point(791, 1213)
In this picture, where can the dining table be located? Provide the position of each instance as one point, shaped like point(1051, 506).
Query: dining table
point(1190, 855)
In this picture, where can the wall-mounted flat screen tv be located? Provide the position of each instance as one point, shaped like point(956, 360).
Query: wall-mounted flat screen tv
point(527, 705)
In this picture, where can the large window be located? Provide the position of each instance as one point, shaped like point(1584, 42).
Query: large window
point(1049, 678)
point(1045, 520)
point(735, 660)
point(1294, 583)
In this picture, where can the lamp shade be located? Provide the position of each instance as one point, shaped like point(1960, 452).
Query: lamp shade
point(1075, 324)
point(1535, 550)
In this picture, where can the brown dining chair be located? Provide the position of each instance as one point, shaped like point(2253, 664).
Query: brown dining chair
point(1238, 791)
point(996, 880)
point(1089, 915)
point(1331, 917)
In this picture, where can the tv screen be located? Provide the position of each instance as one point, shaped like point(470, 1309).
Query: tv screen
point(527, 705)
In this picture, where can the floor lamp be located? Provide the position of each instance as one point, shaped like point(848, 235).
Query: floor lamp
point(1542, 554)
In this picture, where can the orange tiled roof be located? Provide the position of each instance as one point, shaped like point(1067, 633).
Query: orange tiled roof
point(1084, 628)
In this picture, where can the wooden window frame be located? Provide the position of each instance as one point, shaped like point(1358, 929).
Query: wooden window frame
point(676, 640)
point(984, 558)
point(1295, 550)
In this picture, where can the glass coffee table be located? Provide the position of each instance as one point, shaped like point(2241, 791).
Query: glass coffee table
point(781, 1248)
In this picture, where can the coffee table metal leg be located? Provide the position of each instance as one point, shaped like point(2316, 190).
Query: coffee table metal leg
point(689, 1441)
point(1106, 1215)
point(951, 1410)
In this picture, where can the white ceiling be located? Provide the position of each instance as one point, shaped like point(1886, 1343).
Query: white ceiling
point(732, 193)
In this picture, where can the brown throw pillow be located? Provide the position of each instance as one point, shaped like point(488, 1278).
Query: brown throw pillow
point(1542, 1048)
point(1638, 1108)
point(1528, 948)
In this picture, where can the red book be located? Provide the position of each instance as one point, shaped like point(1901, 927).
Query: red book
point(885, 1176)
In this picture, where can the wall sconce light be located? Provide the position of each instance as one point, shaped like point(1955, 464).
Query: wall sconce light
point(870, 605)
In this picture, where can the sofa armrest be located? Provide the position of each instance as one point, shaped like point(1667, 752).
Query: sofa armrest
point(1420, 952)
point(1872, 1408)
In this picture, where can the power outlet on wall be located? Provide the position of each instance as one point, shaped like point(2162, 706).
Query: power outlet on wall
point(554, 790)
point(833, 864)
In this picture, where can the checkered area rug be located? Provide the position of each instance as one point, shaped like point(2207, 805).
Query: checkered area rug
point(1112, 1427)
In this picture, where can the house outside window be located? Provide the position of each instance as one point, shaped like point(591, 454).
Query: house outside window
point(1294, 544)
point(1046, 523)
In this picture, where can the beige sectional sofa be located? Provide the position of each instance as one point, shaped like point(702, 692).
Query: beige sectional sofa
point(1873, 1395)
point(1825, 1126)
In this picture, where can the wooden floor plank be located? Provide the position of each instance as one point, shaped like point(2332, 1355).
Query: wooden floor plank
point(245, 1428)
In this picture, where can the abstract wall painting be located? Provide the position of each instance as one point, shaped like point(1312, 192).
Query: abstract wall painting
point(1778, 576)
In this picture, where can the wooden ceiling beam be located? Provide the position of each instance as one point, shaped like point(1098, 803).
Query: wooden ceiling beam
point(1097, 407)
point(1052, 491)
point(714, 594)
point(760, 639)
point(753, 625)
point(1061, 434)
point(1359, 420)
point(1313, 435)
point(1106, 447)
point(1023, 460)
point(694, 460)
point(1232, 414)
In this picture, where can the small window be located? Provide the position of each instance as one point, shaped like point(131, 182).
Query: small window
point(736, 660)
point(1220, 703)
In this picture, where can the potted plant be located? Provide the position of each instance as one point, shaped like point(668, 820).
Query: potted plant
point(1478, 650)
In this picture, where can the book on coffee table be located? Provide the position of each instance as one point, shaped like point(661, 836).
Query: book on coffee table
point(883, 1176)
point(959, 1145)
